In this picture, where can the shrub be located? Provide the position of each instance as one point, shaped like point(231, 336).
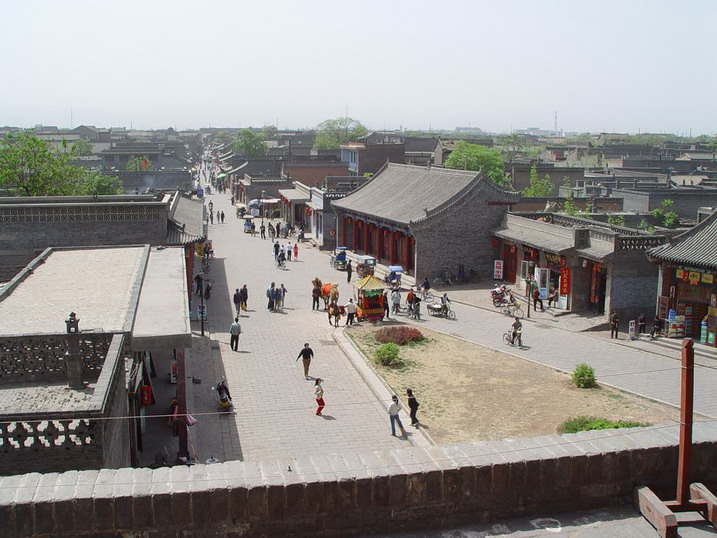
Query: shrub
point(398, 335)
point(583, 424)
point(584, 376)
point(387, 355)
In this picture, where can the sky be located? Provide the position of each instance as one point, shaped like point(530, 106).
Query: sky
point(618, 66)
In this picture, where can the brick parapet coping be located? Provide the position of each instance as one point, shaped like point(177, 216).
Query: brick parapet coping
point(362, 492)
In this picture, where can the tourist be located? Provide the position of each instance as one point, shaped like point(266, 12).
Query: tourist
point(396, 300)
point(296, 251)
point(270, 296)
point(222, 214)
point(271, 231)
point(641, 324)
point(234, 332)
point(413, 406)
point(656, 327)
point(276, 250)
point(237, 301)
point(306, 354)
point(253, 229)
point(319, 395)
point(211, 217)
point(393, 409)
point(385, 305)
point(536, 300)
point(350, 312)
point(281, 292)
point(262, 231)
point(349, 271)
point(244, 292)
point(315, 296)
point(614, 324)
point(289, 250)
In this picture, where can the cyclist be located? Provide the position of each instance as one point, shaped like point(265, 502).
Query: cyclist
point(409, 302)
point(425, 286)
point(445, 302)
point(516, 329)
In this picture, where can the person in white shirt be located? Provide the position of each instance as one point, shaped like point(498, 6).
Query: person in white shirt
point(396, 300)
point(289, 250)
point(234, 332)
point(350, 312)
point(393, 410)
point(319, 395)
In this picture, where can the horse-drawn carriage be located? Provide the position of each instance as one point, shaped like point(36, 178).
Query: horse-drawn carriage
point(338, 259)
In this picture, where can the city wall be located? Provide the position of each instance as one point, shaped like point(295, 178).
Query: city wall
point(361, 493)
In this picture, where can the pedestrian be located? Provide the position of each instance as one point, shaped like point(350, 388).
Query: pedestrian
point(393, 410)
point(211, 217)
point(315, 296)
point(656, 327)
point(396, 300)
point(349, 271)
point(244, 292)
point(425, 286)
point(270, 296)
point(237, 301)
point(253, 229)
point(232, 199)
point(281, 292)
point(641, 324)
point(306, 354)
point(385, 305)
point(319, 395)
point(289, 250)
point(272, 232)
point(276, 250)
point(350, 312)
point(282, 259)
point(296, 251)
point(553, 297)
point(301, 234)
point(198, 281)
point(536, 300)
point(416, 307)
point(222, 214)
point(262, 231)
point(614, 324)
point(234, 332)
point(413, 406)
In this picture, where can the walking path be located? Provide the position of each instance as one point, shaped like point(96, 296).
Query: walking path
point(274, 404)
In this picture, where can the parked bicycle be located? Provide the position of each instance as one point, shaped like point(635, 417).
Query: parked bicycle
point(446, 279)
point(513, 310)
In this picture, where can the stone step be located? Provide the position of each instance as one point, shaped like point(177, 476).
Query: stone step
point(675, 344)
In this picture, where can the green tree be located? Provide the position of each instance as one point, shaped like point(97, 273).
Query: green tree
point(95, 183)
point(538, 187)
point(467, 156)
point(32, 167)
point(330, 134)
point(82, 146)
point(224, 136)
point(668, 218)
point(250, 143)
point(512, 146)
point(139, 163)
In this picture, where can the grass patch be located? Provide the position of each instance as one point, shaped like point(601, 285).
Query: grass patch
point(584, 424)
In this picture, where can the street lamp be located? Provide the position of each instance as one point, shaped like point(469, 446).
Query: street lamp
point(262, 208)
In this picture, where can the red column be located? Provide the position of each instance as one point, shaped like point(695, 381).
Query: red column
point(354, 235)
point(344, 224)
point(392, 248)
point(365, 238)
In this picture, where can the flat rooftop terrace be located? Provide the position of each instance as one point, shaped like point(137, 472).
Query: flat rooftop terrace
point(51, 397)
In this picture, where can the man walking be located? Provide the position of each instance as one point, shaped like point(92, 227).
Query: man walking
point(614, 324)
point(222, 214)
point(350, 312)
point(234, 332)
point(237, 301)
point(262, 231)
point(306, 354)
point(271, 295)
point(349, 271)
point(289, 251)
point(244, 297)
point(276, 250)
point(393, 410)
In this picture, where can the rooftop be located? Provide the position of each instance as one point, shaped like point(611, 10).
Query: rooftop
point(100, 284)
point(696, 246)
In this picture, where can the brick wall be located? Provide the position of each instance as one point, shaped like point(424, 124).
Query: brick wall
point(358, 493)
point(633, 286)
point(460, 235)
point(313, 176)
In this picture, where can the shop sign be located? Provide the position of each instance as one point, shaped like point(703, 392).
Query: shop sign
point(498, 269)
point(694, 278)
point(563, 262)
point(707, 278)
point(552, 258)
point(564, 281)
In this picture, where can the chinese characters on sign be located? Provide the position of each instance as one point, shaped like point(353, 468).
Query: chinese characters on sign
point(498, 269)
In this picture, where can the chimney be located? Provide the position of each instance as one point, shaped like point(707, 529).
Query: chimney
point(73, 359)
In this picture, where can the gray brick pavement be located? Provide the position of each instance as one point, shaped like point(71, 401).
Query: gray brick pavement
point(274, 405)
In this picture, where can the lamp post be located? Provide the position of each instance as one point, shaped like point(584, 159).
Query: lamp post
point(262, 208)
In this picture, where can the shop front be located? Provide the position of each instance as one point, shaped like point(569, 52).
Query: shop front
point(689, 307)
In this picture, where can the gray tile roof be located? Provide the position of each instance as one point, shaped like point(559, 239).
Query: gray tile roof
point(402, 193)
point(697, 246)
point(186, 221)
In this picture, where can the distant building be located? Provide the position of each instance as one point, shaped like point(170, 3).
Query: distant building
point(368, 154)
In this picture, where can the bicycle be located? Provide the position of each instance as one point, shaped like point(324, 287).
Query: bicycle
point(508, 338)
point(205, 266)
point(513, 311)
point(444, 279)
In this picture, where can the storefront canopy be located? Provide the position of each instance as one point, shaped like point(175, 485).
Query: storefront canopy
point(293, 195)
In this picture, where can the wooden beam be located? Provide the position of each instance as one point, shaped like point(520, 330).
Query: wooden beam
point(656, 513)
point(700, 492)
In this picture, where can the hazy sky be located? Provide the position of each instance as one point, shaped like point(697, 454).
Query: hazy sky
point(603, 66)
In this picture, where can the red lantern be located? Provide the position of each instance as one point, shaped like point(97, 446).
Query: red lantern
point(308, 211)
point(146, 397)
point(494, 242)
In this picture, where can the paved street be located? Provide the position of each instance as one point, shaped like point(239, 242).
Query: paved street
point(274, 403)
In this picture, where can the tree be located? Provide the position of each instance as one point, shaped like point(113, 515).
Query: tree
point(669, 218)
point(512, 145)
point(95, 183)
point(139, 164)
point(32, 167)
point(224, 136)
point(467, 156)
point(82, 146)
point(538, 187)
point(250, 143)
point(332, 133)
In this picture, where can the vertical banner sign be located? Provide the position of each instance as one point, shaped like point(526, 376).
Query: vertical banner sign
point(564, 281)
point(631, 330)
point(498, 269)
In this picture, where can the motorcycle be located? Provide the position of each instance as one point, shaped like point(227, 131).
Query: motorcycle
point(507, 299)
point(224, 397)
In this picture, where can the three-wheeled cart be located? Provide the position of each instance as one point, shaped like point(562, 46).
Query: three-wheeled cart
point(369, 298)
point(393, 277)
point(365, 265)
point(338, 258)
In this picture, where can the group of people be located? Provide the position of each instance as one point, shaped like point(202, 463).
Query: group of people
point(219, 214)
point(284, 253)
point(276, 297)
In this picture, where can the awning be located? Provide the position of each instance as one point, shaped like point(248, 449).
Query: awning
point(535, 239)
point(598, 250)
point(293, 195)
point(314, 206)
point(162, 320)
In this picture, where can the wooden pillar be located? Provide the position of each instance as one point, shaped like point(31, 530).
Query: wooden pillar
point(404, 257)
point(379, 243)
point(392, 248)
point(354, 235)
point(344, 223)
point(365, 238)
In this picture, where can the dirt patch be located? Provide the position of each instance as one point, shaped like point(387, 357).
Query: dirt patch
point(469, 392)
